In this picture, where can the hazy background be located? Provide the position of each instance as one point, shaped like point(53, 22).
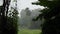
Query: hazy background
point(22, 4)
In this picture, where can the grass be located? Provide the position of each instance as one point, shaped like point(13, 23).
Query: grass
point(28, 31)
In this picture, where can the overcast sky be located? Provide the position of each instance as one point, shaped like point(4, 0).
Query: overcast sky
point(22, 4)
point(27, 3)
point(1, 2)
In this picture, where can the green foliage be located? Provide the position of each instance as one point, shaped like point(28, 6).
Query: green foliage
point(8, 23)
point(13, 18)
point(51, 15)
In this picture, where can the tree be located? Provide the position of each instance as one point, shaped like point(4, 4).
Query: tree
point(13, 20)
point(28, 12)
point(51, 16)
point(7, 24)
point(3, 15)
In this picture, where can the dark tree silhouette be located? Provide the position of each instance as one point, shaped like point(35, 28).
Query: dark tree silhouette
point(51, 15)
point(7, 24)
point(4, 10)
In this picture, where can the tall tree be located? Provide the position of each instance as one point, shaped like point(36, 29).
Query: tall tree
point(3, 15)
point(13, 20)
point(8, 25)
point(51, 16)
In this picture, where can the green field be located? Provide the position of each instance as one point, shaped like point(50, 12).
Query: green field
point(28, 31)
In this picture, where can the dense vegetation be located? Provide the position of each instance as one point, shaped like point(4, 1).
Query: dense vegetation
point(51, 16)
point(8, 19)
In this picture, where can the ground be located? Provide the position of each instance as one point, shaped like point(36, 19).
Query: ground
point(28, 31)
